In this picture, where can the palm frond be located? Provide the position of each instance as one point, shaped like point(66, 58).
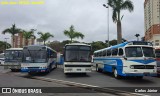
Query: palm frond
point(128, 5)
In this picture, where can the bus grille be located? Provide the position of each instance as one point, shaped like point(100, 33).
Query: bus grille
point(143, 66)
point(33, 67)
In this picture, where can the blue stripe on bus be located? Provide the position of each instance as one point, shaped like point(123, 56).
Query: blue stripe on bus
point(143, 61)
point(108, 67)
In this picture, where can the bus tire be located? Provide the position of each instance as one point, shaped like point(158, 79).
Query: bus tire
point(116, 74)
point(139, 77)
point(56, 65)
point(66, 74)
point(97, 69)
point(13, 70)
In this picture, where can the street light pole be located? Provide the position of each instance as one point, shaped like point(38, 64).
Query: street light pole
point(108, 22)
point(6, 42)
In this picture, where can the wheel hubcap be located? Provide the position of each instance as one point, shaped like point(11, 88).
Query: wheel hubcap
point(115, 73)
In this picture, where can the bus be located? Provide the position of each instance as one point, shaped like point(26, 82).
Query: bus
point(157, 52)
point(2, 59)
point(77, 58)
point(60, 59)
point(132, 58)
point(13, 59)
point(38, 58)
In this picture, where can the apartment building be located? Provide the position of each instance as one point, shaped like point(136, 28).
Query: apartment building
point(19, 41)
point(152, 21)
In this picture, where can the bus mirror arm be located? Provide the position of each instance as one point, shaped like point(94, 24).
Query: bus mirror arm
point(125, 58)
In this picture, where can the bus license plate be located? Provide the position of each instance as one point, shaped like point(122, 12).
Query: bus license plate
point(78, 69)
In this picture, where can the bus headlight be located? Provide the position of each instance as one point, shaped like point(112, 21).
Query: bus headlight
point(88, 69)
point(132, 67)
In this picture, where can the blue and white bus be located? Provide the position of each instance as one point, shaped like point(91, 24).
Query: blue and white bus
point(37, 58)
point(134, 58)
point(77, 58)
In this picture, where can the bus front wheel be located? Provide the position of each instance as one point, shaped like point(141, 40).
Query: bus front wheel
point(116, 74)
point(139, 77)
point(97, 69)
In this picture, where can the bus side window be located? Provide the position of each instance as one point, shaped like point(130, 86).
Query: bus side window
point(120, 52)
point(104, 53)
point(114, 52)
point(108, 52)
point(101, 54)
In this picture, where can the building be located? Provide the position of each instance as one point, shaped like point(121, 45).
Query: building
point(152, 21)
point(19, 41)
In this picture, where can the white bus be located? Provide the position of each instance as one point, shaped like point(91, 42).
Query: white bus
point(2, 59)
point(13, 59)
point(133, 58)
point(77, 58)
point(38, 58)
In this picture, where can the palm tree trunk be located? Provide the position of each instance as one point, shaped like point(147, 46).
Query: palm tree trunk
point(119, 32)
point(13, 41)
point(44, 43)
point(26, 42)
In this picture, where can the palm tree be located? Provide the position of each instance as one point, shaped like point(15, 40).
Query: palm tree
point(28, 35)
point(45, 36)
point(137, 35)
point(71, 33)
point(118, 6)
point(13, 30)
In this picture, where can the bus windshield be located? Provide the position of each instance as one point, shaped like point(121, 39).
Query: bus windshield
point(78, 53)
point(34, 56)
point(139, 52)
point(13, 55)
point(157, 51)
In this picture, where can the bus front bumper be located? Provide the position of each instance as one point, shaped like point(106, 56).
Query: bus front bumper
point(34, 69)
point(77, 70)
point(140, 74)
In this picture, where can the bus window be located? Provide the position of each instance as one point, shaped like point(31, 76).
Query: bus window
point(148, 52)
point(133, 52)
point(114, 52)
point(108, 52)
point(120, 53)
point(104, 53)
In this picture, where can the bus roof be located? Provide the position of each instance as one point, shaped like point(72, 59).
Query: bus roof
point(129, 43)
point(15, 49)
point(41, 46)
point(78, 44)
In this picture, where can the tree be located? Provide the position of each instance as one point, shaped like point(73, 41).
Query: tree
point(71, 33)
point(45, 36)
point(13, 30)
point(143, 39)
point(28, 35)
point(118, 6)
point(56, 45)
point(137, 35)
point(4, 45)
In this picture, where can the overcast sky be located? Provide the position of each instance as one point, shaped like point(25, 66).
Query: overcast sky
point(87, 16)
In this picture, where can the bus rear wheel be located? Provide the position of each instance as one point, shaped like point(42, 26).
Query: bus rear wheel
point(116, 74)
